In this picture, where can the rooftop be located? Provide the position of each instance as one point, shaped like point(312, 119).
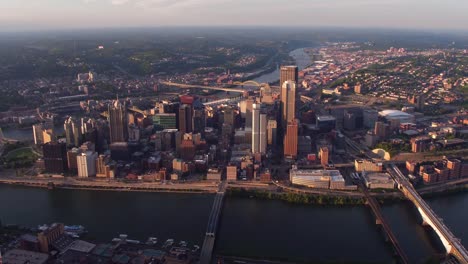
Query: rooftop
point(19, 256)
point(325, 118)
point(394, 113)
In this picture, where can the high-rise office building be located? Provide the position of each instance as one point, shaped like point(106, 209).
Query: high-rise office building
point(55, 157)
point(47, 135)
point(118, 125)
point(187, 149)
point(43, 133)
point(289, 73)
point(288, 102)
point(248, 111)
point(103, 169)
point(37, 134)
point(165, 121)
point(370, 116)
point(86, 163)
point(263, 133)
point(185, 118)
point(87, 125)
point(229, 116)
point(290, 139)
point(199, 120)
point(272, 132)
point(71, 158)
point(324, 154)
point(256, 128)
point(352, 119)
point(325, 123)
point(266, 95)
point(72, 132)
point(133, 133)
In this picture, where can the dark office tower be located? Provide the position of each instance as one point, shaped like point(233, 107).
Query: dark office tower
point(288, 73)
point(102, 136)
point(229, 116)
point(72, 132)
point(256, 129)
point(185, 118)
point(199, 119)
point(290, 139)
point(118, 125)
point(248, 112)
point(55, 157)
point(288, 102)
point(352, 119)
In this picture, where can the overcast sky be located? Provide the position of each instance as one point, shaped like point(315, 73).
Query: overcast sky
point(414, 14)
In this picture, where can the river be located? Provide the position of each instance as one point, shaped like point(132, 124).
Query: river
point(302, 60)
point(260, 228)
point(25, 133)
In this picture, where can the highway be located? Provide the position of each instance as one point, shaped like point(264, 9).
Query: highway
point(458, 250)
point(213, 220)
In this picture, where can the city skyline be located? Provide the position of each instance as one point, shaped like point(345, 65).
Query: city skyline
point(228, 126)
point(54, 14)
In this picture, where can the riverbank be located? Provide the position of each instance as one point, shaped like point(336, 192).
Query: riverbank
point(445, 190)
point(331, 199)
point(295, 198)
point(67, 183)
point(242, 189)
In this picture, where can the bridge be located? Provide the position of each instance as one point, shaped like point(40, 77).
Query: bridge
point(251, 85)
point(380, 220)
point(451, 243)
point(213, 220)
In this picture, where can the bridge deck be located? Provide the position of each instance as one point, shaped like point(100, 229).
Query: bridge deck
point(213, 220)
point(374, 205)
point(458, 250)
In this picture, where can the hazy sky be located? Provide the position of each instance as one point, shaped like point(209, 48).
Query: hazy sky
point(40, 14)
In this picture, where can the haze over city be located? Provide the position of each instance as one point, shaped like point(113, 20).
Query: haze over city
point(59, 14)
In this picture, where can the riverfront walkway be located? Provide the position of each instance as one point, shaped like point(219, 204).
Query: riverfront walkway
point(213, 220)
point(452, 244)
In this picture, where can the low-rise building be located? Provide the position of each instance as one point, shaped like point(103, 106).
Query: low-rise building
point(378, 180)
point(367, 165)
point(231, 173)
point(214, 174)
point(322, 179)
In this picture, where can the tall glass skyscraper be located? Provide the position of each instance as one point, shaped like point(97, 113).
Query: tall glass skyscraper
point(118, 125)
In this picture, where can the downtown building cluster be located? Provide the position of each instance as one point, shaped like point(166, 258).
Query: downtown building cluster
point(183, 136)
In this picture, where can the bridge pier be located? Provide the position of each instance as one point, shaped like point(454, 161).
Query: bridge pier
point(378, 221)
